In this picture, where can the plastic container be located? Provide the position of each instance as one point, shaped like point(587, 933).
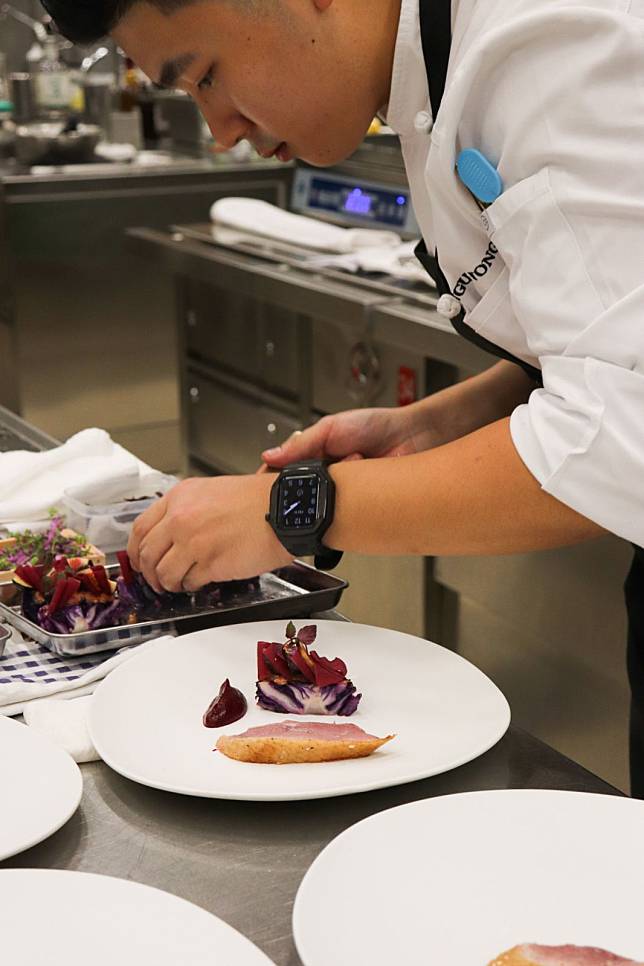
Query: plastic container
point(106, 522)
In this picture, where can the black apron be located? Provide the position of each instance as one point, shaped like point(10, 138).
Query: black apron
point(436, 36)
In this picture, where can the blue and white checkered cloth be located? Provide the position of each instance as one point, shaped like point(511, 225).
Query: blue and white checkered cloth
point(31, 663)
point(28, 671)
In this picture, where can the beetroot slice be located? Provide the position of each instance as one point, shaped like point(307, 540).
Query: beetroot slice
point(326, 671)
point(270, 661)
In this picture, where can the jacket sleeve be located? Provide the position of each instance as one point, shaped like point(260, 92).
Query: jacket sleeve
point(570, 229)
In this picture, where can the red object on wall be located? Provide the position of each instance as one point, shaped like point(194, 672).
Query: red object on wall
point(406, 385)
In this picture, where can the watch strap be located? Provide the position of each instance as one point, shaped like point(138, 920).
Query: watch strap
point(327, 559)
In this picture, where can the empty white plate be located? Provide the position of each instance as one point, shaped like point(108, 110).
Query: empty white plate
point(457, 880)
point(40, 787)
point(145, 720)
point(75, 918)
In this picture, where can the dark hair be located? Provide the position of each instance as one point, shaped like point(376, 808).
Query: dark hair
point(87, 21)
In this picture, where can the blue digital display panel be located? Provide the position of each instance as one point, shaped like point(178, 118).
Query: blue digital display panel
point(368, 204)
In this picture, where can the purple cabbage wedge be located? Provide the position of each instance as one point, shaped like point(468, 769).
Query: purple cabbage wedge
point(294, 680)
point(83, 616)
point(298, 698)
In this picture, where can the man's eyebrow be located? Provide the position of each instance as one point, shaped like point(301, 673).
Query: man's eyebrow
point(172, 70)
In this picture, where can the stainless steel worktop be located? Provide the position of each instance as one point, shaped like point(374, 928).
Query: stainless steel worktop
point(169, 165)
point(244, 861)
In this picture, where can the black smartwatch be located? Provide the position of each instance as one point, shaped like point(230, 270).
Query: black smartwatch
point(301, 511)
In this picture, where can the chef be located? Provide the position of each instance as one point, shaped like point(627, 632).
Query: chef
point(522, 130)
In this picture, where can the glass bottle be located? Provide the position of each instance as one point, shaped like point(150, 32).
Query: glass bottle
point(52, 82)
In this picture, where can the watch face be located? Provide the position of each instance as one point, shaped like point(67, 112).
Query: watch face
point(298, 502)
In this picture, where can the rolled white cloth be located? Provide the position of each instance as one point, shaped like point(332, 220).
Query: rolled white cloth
point(31, 483)
point(256, 217)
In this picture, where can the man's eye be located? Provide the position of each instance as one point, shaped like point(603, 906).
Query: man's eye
point(207, 80)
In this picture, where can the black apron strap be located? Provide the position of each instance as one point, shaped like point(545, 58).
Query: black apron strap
point(436, 37)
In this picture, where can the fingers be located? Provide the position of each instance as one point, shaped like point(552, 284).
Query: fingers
point(195, 578)
point(141, 527)
point(153, 548)
point(307, 445)
point(172, 569)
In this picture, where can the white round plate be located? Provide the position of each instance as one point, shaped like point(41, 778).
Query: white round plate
point(40, 784)
point(145, 720)
point(462, 878)
point(75, 918)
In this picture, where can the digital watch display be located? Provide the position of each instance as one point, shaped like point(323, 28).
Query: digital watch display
point(301, 511)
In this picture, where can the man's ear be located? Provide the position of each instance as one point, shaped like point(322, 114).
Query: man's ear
point(322, 5)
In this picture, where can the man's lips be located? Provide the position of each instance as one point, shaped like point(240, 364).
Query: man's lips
point(281, 151)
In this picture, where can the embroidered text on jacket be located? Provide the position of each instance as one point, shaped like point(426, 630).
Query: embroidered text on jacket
point(479, 272)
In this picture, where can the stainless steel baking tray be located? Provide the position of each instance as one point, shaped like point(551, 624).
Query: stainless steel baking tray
point(294, 591)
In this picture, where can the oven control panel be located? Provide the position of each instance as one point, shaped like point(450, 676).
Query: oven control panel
point(353, 202)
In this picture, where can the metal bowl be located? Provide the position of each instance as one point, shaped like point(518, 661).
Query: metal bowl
point(47, 143)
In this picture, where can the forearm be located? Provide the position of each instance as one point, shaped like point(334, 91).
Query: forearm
point(467, 406)
point(471, 496)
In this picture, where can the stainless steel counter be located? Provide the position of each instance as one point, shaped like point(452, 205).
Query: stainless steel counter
point(244, 861)
point(168, 164)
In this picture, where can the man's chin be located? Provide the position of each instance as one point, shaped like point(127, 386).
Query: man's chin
point(325, 154)
point(325, 158)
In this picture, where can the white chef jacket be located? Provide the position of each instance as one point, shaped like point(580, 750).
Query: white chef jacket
point(552, 93)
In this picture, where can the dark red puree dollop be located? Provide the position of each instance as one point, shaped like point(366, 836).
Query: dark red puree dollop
point(229, 705)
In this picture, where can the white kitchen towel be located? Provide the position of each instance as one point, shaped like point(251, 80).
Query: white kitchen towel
point(64, 723)
point(31, 483)
point(29, 672)
point(261, 218)
point(399, 263)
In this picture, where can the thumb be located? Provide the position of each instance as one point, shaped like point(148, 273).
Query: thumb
point(299, 446)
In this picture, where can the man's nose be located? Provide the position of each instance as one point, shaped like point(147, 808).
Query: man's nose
point(226, 127)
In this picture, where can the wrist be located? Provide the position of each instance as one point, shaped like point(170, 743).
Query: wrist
point(424, 422)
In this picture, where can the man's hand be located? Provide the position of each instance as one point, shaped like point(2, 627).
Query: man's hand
point(355, 434)
point(207, 529)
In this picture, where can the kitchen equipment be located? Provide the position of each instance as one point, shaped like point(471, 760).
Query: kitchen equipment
point(7, 132)
point(4, 79)
point(292, 591)
point(182, 119)
point(145, 720)
point(98, 99)
point(91, 59)
point(53, 225)
point(50, 143)
point(22, 97)
point(63, 916)
point(461, 878)
point(5, 634)
point(36, 26)
point(41, 789)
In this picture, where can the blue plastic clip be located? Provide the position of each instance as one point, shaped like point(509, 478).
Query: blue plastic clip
point(479, 176)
